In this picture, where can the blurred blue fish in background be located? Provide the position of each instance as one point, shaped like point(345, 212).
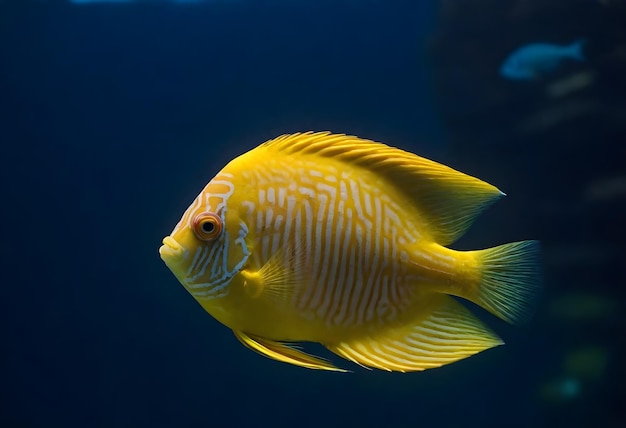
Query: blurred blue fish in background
point(538, 59)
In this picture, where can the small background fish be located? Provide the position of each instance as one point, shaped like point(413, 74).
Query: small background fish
point(538, 59)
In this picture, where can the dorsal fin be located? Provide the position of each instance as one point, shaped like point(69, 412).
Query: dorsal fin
point(446, 199)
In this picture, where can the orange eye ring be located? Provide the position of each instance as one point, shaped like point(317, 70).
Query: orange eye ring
point(207, 226)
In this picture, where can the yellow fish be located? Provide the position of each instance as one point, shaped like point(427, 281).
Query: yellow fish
point(329, 238)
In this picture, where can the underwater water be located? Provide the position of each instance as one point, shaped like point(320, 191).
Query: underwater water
point(114, 115)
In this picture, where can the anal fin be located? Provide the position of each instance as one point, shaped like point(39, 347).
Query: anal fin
point(449, 333)
point(281, 352)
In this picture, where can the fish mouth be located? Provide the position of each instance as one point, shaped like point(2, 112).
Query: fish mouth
point(171, 250)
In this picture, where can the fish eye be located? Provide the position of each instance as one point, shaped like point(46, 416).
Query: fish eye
point(207, 226)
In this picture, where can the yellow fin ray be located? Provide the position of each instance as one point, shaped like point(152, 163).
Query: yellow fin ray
point(448, 200)
point(448, 334)
point(281, 352)
point(280, 274)
point(510, 280)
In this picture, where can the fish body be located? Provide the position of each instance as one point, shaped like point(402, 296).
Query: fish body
point(328, 238)
point(537, 59)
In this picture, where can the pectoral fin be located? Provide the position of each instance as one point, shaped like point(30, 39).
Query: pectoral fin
point(448, 334)
point(282, 352)
point(280, 275)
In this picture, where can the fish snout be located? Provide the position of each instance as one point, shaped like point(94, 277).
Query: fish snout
point(171, 251)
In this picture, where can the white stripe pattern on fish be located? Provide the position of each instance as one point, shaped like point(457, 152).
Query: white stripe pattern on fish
point(216, 259)
point(350, 237)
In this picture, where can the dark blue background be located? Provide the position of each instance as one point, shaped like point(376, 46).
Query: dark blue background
point(113, 117)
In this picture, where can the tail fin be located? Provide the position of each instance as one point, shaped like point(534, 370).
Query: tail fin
point(510, 280)
point(576, 49)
